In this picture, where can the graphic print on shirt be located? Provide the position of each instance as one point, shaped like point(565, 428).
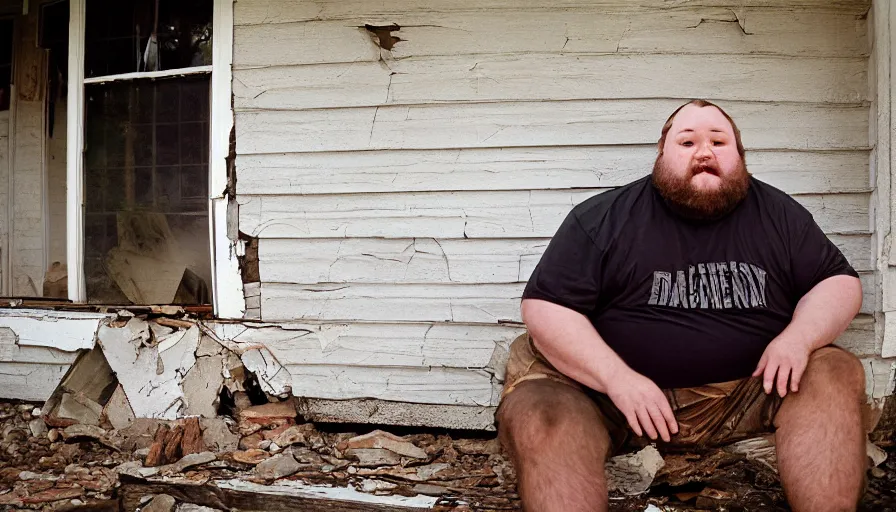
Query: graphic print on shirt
point(722, 285)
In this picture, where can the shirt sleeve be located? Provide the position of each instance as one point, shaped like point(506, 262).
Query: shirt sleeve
point(568, 273)
point(815, 258)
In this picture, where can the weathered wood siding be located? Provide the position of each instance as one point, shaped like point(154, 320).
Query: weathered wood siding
point(402, 197)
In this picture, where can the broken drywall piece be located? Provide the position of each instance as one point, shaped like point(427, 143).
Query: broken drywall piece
point(272, 376)
point(151, 379)
point(79, 409)
point(632, 474)
point(208, 347)
point(202, 387)
point(118, 411)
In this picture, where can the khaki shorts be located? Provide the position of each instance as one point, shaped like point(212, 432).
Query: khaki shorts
point(711, 415)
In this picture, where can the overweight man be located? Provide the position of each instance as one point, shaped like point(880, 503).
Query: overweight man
point(695, 307)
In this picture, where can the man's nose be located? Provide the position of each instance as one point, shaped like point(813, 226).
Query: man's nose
point(704, 151)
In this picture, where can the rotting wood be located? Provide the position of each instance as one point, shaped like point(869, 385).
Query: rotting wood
point(133, 489)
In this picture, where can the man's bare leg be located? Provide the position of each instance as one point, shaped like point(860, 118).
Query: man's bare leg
point(558, 445)
point(820, 435)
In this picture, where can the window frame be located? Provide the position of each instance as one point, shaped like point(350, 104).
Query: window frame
point(227, 285)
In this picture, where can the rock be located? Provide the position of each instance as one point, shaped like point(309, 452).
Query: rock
point(252, 442)
point(217, 436)
point(274, 448)
point(118, 410)
point(55, 494)
point(241, 401)
point(90, 432)
point(268, 414)
point(189, 507)
point(278, 466)
point(876, 454)
point(189, 461)
point(306, 456)
point(160, 503)
point(632, 474)
point(372, 486)
point(295, 434)
point(37, 427)
point(141, 453)
point(478, 446)
point(29, 475)
point(264, 445)
point(431, 471)
point(878, 473)
point(192, 441)
point(253, 456)
point(53, 435)
point(134, 468)
point(373, 457)
point(430, 490)
point(385, 440)
point(140, 433)
point(156, 455)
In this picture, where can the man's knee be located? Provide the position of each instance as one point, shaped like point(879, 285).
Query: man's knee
point(540, 413)
point(837, 368)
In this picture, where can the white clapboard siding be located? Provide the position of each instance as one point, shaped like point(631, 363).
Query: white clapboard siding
point(510, 168)
point(465, 303)
point(551, 77)
point(513, 214)
point(689, 30)
point(425, 260)
point(368, 344)
point(252, 12)
point(495, 125)
point(406, 384)
point(859, 338)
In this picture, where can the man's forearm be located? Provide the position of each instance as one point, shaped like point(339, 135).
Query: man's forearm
point(570, 343)
point(825, 312)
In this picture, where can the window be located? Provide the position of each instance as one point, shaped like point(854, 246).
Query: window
point(146, 147)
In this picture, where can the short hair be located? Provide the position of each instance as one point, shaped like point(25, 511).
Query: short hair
point(701, 104)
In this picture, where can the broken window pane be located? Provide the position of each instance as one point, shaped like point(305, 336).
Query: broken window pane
point(6, 32)
point(146, 191)
point(120, 35)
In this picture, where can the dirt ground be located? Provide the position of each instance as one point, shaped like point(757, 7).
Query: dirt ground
point(97, 468)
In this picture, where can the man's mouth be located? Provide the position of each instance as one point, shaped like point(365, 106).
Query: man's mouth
point(709, 169)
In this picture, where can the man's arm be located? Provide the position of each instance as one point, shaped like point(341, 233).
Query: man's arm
point(819, 318)
point(569, 341)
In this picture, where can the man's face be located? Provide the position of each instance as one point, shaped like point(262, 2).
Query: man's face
point(700, 170)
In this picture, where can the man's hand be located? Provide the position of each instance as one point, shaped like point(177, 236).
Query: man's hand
point(643, 404)
point(785, 358)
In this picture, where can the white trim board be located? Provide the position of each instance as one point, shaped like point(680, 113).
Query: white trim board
point(227, 283)
point(66, 331)
point(74, 160)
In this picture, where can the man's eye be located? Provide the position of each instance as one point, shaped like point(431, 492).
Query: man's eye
point(687, 143)
point(718, 143)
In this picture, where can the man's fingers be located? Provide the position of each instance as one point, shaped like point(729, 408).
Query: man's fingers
point(660, 422)
point(761, 366)
point(768, 379)
point(783, 376)
point(633, 422)
point(795, 378)
point(666, 410)
point(646, 423)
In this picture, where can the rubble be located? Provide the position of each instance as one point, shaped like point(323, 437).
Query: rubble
point(379, 439)
point(277, 466)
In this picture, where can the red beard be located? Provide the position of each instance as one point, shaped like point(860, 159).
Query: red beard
point(693, 203)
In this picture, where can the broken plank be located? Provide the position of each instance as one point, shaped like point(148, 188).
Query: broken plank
point(250, 12)
point(552, 77)
point(67, 331)
point(12, 352)
point(686, 30)
point(550, 123)
point(218, 497)
point(521, 168)
point(508, 214)
point(427, 260)
point(30, 382)
point(382, 412)
point(453, 386)
point(384, 344)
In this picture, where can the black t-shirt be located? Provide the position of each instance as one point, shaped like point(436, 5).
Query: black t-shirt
point(686, 303)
